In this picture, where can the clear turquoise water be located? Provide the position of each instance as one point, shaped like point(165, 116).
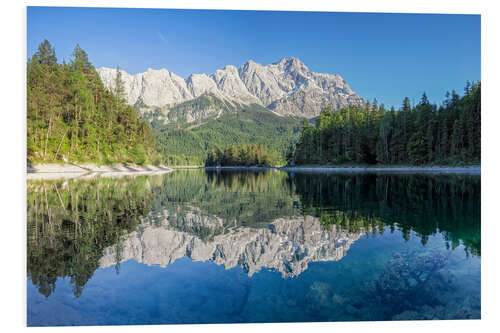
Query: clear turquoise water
point(205, 247)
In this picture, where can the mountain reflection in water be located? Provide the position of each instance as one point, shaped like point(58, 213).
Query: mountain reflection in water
point(285, 245)
point(264, 221)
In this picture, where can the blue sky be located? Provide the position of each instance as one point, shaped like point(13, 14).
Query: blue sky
point(383, 56)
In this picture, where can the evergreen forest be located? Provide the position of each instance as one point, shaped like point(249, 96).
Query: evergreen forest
point(72, 117)
point(419, 135)
point(242, 155)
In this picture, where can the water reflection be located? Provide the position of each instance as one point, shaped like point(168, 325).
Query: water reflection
point(286, 245)
point(71, 222)
point(424, 204)
point(253, 220)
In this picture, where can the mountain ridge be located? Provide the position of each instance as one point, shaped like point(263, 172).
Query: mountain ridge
point(286, 87)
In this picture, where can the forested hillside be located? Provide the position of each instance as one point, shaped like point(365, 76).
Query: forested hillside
point(191, 143)
point(72, 117)
point(423, 134)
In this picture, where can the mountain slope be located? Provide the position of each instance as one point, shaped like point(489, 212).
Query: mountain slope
point(189, 144)
point(286, 87)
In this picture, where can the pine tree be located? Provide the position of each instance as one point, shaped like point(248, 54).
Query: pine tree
point(119, 85)
point(430, 142)
point(444, 141)
point(406, 104)
point(375, 104)
point(384, 139)
point(46, 54)
point(81, 60)
point(456, 139)
point(467, 88)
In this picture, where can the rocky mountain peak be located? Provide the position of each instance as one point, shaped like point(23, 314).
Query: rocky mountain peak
point(250, 63)
point(199, 84)
point(286, 87)
point(292, 63)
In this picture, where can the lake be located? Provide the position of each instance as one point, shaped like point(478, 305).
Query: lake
point(234, 246)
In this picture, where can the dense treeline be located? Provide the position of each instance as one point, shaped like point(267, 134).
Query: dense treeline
point(423, 134)
point(72, 117)
point(241, 155)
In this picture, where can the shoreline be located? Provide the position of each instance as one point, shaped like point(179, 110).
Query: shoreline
point(471, 170)
point(53, 171)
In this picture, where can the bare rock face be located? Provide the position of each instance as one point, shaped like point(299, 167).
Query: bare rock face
point(287, 245)
point(131, 83)
point(306, 93)
point(286, 87)
point(261, 82)
point(199, 84)
point(229, 83)
point(154, 87)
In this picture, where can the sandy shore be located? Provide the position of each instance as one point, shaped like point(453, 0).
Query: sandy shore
point(471, 170)
point(87, 171)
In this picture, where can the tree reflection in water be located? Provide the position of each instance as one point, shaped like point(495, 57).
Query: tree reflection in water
point(73, 224)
